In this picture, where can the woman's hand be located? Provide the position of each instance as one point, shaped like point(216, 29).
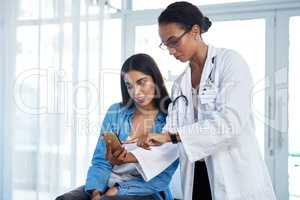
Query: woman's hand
point(95, 195)
point(120, 156)
point(115, 158)
point(111, 191)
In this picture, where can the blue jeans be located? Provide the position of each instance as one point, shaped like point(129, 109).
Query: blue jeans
point(80, 194)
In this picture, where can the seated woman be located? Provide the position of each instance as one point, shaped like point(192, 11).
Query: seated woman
point(116, 175)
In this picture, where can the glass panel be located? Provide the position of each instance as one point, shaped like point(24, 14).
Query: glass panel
point(26, 96)
point(56, 93)
point(113, 6)
point(83, 7)
point(26, 106)
point(92, 7)
point(111, 89)
point(294, 109)
point(49, 8)
point(144, 4)
point(112, 44)
point(50, 46)
point(24, 177)
point(68, 7)
point(67, 58)
point(27, 49)
point(116, 4)
point(94, 86)
point(28, 9)
point(40, 89)
point(251, 45)
point(111, 65)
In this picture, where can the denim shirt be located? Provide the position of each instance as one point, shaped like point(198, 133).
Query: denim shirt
point(118, 120)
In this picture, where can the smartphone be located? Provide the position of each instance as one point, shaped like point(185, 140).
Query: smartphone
point(113, 140)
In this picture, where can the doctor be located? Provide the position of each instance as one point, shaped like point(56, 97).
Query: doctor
point(210, 117)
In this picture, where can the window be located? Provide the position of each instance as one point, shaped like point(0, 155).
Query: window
point(60, 58)
point(144, 4)
point(251, 45)
point(294, 109)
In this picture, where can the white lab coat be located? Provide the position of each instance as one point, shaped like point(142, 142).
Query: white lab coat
point(224, 134)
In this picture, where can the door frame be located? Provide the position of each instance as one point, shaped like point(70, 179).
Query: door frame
point(281, 140)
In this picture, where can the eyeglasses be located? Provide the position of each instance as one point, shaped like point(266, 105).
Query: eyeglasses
point(172, 42)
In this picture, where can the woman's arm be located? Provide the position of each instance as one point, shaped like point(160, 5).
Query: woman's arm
point(100, 170)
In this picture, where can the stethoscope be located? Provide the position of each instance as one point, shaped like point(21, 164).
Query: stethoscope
point(209, 81)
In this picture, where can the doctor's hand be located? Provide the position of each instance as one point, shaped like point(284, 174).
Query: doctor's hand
point(141, 141)
point(155, 139)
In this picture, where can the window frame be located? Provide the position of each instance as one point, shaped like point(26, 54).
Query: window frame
point(276, 13)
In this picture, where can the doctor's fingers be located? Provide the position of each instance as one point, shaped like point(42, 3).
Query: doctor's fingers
point(155, 139)
point(143, 143)
point(153, 142)
point(131, 140)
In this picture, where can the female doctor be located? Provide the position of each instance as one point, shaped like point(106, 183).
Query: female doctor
point(210, 117)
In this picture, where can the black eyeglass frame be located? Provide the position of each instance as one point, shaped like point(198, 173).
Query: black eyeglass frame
point(174, 43)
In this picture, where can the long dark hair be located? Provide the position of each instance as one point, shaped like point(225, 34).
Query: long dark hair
point(145, 64)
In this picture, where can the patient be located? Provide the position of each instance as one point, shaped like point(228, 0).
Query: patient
point(116, 175)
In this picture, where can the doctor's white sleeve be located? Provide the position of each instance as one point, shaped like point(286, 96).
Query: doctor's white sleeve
point(233, 111)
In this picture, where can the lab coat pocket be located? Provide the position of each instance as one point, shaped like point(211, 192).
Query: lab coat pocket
point(208, 103)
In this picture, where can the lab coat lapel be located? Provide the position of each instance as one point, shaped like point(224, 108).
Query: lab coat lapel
point(187, 167)
point(186, 117)
point(208, 66)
